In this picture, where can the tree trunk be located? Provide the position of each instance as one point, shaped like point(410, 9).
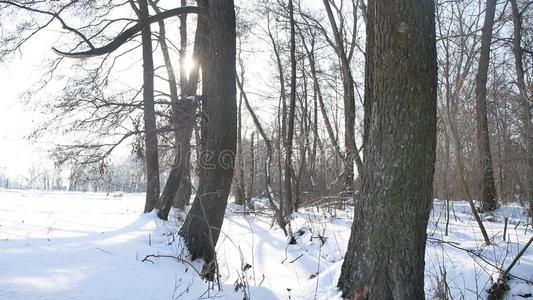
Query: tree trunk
point(150, 135)
point(251, 173)
point(188, 88)
point(524, 100)
point(178, 176)
point(488, 196)
point(239, 190)
point(385, 257)
point(446, 183)
point(280, 217)
point(351, 153)
point(310, 52)
point(289, 205)
point(202, 225)
point(282, 116)
point(177, 187)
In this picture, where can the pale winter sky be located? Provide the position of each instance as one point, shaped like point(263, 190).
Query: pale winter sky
point(24, 71)
point(17, 120)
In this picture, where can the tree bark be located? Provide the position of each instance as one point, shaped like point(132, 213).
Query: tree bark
point(188, 88)
point(385, 257)
point(150, 135)
point(289, 205)
point(201, 228)
point(488, 196)
point(524, 100)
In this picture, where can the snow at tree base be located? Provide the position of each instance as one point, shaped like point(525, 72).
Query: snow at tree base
point(266, 149)
point(73, 245)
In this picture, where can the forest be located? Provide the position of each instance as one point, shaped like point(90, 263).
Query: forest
point(267, 149)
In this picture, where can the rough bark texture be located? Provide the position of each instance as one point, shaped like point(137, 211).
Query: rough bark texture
point(202, 225)
point(385, 257)
point(488, 188)
point(526, 112)
point(150, 135)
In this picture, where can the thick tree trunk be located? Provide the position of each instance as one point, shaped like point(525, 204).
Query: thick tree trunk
point(385, 257)
point(152, 156)
point(524, 98)
point(488, 196)
point(202, 225)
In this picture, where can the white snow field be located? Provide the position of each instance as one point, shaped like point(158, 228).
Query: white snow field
point(69, 245)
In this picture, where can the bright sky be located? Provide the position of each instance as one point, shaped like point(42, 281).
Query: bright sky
point(24, 71)
point(17, 120)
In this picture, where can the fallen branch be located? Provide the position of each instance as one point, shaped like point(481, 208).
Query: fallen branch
point(520, 254)
point(290, 262)
point(483, 258)
point(103, 250)
point(500, 287)
point(147, 258)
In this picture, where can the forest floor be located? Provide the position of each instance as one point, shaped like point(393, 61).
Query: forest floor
point(59, 245)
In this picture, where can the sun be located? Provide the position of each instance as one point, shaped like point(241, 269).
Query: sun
point(188, 64)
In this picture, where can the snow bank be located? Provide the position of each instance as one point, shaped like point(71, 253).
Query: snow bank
point(59, 245)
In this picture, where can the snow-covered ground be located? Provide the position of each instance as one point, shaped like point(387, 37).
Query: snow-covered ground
point(59, 245)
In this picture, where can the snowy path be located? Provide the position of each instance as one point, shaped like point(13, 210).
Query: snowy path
point(58, 245)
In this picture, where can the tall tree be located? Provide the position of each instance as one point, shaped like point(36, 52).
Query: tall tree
point(385, 256)
point(201, 228)
point(143, 25)
point(239, 189)
point(488, 188)
point(524, 101)
point(188, 86)
point(463, 60)
point(184, 108)
point(345, 55)
point(289, 204)
point(150, 127)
